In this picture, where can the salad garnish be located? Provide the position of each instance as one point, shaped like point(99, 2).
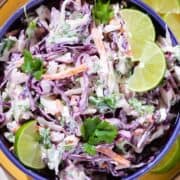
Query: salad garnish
point(102, 11)
point(32, 65)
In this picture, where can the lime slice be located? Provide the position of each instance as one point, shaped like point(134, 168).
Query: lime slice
point(173, 20)
point(150, 70)
point(169, 161)
point(140, 28)
point(164, 6)
point(27, 146)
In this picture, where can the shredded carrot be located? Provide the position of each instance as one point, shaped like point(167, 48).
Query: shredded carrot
point(114, 156)
point(67, 73)
point(98, 42)
point(59, 104)
point(138, 131)
point(59, 107)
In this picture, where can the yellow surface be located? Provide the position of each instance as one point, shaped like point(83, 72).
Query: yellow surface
point(6, 11)
point(11, 168)
point(9, 7)
point(15, 172)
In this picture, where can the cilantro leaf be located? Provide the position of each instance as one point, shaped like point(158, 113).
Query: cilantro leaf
point(26, 66)
point(104, 103)
point(31, 65)
point(45, 137)
point(95, 131)
point(140, 107)
point(89, 149)
point(104, 133)
point(88, 127)
point(102, 12)
point(32, 25)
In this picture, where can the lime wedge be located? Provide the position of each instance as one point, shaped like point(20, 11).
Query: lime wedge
point(173, 20)
point(140, 28)
point(150, 70)
point(27, 146)
point(169, 161)
point(164, 6)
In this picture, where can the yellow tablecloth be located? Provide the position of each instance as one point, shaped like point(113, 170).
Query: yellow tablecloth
point(19, 175)
point(7, 10)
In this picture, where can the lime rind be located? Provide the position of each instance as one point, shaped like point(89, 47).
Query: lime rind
point(142, 24)
point(150, 71)
point(140, 29)
point(27, 147)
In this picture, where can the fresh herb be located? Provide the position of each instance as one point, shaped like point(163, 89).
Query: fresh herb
point(89, 149)
point(102, 11)
point(104, 103)
point(140, 108)
point(63, 31)
point(45, 137)
point(95, 131)
point(6, 45)
point(32, 25)
point(32, 65)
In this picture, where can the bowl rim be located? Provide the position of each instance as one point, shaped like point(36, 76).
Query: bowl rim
point(172, 138)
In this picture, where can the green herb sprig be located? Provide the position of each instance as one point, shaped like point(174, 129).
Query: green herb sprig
point(104, 104)
point(102, 11)
point(96, 131)
point(32, 25)
point(89, 149)
point(140, 107)
point(44, 138)
point(32, 65)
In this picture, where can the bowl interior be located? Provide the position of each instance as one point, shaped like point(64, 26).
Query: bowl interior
point(15, 22)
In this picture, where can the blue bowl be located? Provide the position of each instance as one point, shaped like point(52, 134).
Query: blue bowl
point(175, 129)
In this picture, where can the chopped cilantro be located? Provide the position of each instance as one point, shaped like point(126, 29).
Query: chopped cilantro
point(102, 11)
point(104, 103)
point(45, 137)
point(32, 25)
point(32, 65)
point(140, 108)
point(89, 149)
point(96, 131)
